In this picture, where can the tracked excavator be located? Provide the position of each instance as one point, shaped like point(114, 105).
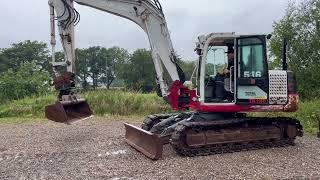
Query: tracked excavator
point(205, 122)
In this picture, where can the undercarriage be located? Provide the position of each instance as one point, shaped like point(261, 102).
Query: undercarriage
point(200, 134)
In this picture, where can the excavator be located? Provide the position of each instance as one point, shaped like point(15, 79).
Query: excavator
point(215, 110)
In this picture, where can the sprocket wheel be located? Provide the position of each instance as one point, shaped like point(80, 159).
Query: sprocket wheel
point(154, 119)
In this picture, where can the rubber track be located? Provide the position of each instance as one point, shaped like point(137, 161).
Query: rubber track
point(177, 140)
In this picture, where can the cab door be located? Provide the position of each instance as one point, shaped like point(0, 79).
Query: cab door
point(252, 81)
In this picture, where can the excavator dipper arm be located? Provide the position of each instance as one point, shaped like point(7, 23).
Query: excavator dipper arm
point(145, 13)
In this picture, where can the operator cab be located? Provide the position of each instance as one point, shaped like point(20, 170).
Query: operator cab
point(232, 69)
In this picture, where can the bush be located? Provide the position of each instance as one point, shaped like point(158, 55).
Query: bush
point(28, 80)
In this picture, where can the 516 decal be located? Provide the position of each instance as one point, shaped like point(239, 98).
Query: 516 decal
point(256, 74)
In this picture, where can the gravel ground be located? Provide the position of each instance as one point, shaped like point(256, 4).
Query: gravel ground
point(96, 150)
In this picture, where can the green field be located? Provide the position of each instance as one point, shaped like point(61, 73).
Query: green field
point(125, 104)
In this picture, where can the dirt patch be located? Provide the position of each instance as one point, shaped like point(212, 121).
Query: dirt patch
point(96, 150)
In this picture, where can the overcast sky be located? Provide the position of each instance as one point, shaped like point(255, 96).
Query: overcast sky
point(29, 20)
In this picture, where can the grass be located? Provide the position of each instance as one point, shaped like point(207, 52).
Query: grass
point(115, 104)
point(102, 102)
point(30, 107)
point(309, 115)
point(17, 121)
point(125, 103)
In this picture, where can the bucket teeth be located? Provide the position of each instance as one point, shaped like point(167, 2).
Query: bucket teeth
point(68, 112)
point(151, 145)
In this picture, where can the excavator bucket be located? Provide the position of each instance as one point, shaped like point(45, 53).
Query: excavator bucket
point(68, 111)
point(151, 145)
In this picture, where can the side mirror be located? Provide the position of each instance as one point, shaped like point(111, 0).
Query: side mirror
point(269, 36)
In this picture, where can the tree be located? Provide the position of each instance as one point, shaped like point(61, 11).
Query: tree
point(27, 80)
point(95, 56)
point(138, 72)
point(27, 51)
point(188, 68)
point(99, 65)
point(301, 26)
point(114, 57)
point(82, 67)
point(4, 63)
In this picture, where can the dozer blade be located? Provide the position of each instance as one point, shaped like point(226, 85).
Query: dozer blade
point(68, 111)
point(151, 145)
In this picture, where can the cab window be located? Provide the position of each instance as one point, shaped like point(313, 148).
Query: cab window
point(252, 58)
point(216, 60)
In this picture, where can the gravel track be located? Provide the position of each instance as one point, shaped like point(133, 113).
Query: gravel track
point(96, 150)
